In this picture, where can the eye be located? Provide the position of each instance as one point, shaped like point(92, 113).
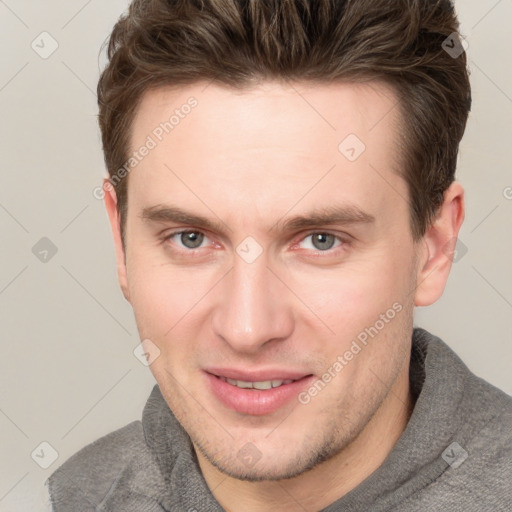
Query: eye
point(321, 241)
point(187, 239)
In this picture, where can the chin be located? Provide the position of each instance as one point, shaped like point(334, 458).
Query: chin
point(258, 470)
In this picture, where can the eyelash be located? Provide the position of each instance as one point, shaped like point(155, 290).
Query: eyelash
point(343, 242)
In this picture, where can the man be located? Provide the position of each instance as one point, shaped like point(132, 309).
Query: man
point(281, 197)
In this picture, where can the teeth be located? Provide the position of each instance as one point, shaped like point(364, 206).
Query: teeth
point(240, 383)
point(263, 385)
point(267, 384)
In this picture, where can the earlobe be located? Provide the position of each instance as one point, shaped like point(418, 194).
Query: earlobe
point(110, 200)
point(438, 246)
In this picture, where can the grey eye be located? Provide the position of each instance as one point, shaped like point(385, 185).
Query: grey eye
point(192, 239)
point(323, 241)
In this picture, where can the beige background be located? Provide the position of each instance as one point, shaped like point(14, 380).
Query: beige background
point(67, 372)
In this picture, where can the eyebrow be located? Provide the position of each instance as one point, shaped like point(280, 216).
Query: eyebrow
point(162, 213)
point(342, 215)
point(324, 217)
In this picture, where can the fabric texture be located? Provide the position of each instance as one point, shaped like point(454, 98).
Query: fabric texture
point(455, 454)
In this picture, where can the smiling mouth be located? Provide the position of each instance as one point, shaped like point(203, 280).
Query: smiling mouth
point(260, 385)
point(256, 397)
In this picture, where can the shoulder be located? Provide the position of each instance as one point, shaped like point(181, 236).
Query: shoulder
point(489, 427)
point(478, 454)
point(468, 423)
point(107, 452)
point(92, 473)
point(483, 413)
point(478, 467)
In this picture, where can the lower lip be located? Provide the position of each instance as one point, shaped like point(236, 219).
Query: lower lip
point(254, 401)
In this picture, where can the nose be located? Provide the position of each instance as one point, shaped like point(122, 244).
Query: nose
point(253, 307)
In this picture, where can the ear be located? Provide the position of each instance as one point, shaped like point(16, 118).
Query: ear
point(437, 248)
point(110, 199)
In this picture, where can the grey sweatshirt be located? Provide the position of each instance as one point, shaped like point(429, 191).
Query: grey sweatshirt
point(455, 454)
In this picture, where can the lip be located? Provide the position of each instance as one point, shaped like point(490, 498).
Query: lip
point(256, 402)
point(256, 375)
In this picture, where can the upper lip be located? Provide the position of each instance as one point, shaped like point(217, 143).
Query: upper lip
point(257, 375)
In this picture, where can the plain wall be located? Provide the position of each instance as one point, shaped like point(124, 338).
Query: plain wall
point(67, 372)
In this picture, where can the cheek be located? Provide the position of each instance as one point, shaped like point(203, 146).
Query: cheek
point(166, 302)
point(164, 296)
point(151, 299)
point(352, 297)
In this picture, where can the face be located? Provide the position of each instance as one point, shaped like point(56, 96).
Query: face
point(268, 241)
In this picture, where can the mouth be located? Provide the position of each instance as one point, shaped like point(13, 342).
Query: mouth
point(261, 385)
point(256, 395)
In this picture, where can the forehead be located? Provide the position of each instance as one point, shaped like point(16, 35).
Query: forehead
point(271, 108)
point(267, 144)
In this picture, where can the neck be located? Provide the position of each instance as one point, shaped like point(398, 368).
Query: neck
point(330, 480)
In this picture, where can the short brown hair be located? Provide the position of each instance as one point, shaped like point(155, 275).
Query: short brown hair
point(240, 42)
